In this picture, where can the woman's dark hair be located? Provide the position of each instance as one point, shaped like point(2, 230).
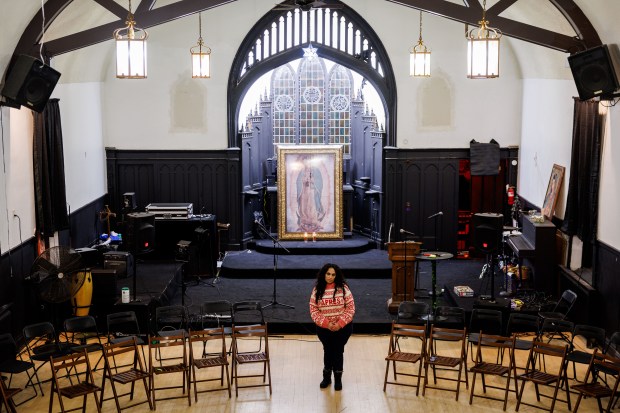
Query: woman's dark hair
point(321, 284)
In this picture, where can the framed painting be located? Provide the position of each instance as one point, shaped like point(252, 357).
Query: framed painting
point(309, 192)
point(553, 189)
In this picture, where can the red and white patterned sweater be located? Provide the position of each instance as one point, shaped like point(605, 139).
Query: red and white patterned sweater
point(340, 308)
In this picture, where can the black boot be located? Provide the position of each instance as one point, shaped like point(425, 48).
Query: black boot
point(327, 378)
point(337, 380)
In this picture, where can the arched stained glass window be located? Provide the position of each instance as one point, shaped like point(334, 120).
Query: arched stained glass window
point(311, 101)
point(284, 105)
point(340, 94)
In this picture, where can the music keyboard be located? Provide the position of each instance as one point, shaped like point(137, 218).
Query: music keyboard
point(521, 246)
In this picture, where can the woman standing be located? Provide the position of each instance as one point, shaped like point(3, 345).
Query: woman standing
point(332, 309)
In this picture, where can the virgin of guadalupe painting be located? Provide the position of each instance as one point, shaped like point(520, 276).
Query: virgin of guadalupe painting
point(310, 192)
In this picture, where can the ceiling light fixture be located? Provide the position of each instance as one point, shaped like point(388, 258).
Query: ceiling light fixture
point(483, 50)
point(201, 55)
point(130, 50)
point(420, 57)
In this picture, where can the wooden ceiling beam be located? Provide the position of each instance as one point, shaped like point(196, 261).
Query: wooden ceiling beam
point(470, 13)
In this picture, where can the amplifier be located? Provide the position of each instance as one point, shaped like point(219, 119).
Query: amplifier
point(171, 210)
point(121, 261)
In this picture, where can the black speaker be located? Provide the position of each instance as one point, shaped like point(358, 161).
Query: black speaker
point(30, 82)
point(121, 261)
point(594, 72)
point(487, 231)
point(105, 291)
point(139, 237)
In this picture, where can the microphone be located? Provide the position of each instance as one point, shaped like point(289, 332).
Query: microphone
point(402, 231)
point(435, 215)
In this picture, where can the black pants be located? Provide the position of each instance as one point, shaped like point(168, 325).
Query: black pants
point(333, 346)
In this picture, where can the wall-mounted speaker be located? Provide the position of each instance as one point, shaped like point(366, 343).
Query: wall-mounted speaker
point(487, 231)
point(139, 237)
point(30, 82)
point(594, 72)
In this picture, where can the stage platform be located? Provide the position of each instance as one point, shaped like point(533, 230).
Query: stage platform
point(357, 256)
point(163, 283)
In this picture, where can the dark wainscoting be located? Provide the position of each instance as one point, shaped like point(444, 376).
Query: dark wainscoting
point(210, 180)
point(421, 182)
point(607, 283)
point(14, 290)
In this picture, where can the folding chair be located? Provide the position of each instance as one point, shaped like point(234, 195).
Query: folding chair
point(72, 377)
point(82, 334)
point(486, 321)
point(540, 377)
point(241, 335)
point(122, 326)
point(562, 307)
point(520, 325)
point(7, 394)
point(170, 320)
point(213, 359)
point(449, 317)
point(412, 313)
point(172, 349)
point(124, 374)
point(592, 386)
point(11, 364)
point(41, 344)
point(246, 313)
point(486, 368)
point(397, 355)
point(437, 359)
point(590, 335)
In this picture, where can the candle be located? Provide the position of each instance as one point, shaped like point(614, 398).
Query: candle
point(314, 237)
point(305, 237)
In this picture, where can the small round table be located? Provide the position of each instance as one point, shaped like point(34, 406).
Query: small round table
point(433, 257)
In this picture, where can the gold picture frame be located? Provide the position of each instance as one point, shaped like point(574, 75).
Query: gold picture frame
point(310, 192)
point(553, 190)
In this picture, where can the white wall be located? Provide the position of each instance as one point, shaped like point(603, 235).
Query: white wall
point(547, 127)
point(609, 198)
point(84, 152)
point(18, 182)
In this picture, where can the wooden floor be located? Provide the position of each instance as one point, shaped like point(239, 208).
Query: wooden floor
point(296, 372)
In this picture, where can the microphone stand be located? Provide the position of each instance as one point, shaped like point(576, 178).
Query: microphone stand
point(274, 301)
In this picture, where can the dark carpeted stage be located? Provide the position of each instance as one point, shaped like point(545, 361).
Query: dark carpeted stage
point(249, 275)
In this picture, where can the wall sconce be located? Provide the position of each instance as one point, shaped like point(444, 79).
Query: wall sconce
point(483, 50)
point(130, 50)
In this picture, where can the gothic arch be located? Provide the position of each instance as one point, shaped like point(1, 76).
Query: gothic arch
point(260, 53)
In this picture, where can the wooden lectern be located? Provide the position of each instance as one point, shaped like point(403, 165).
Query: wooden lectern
point(402, 254)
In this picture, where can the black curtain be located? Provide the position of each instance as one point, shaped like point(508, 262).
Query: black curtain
point(49, 171)
point(581, 214)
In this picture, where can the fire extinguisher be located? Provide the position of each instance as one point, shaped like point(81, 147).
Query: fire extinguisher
point(511, 195)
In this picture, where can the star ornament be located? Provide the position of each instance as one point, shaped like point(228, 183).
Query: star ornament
point(310, 52)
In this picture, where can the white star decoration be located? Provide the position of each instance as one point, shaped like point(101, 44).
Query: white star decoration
point(310, 52)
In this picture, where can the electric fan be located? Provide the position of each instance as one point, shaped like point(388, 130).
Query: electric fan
point(58, 274)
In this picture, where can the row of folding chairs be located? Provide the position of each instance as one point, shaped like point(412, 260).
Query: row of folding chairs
point(186, 355)
point(435, 358)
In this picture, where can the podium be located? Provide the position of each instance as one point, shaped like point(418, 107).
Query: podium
point(402, 254)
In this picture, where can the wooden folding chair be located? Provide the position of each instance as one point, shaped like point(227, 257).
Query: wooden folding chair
point(438, 359)
point(209, 359)
point(7, 394)
point(593, 385)
point(123, 374)
point(540, 377)
point(498, 369)
point(241, 335)
point(173, 360)
point(397, 353)
point(72, 377)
